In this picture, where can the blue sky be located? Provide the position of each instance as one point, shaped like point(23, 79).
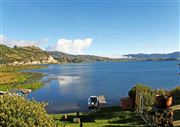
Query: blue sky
point(100, 27)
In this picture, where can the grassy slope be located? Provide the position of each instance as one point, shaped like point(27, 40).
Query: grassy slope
point(68, 58)
point(21, 54)
point(11, 78)
point(105, 117)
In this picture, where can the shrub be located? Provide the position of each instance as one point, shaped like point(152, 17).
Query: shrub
point(141, 87)
point(147, 93)
point(176, 92)
point(16, 111)
point(176, 95)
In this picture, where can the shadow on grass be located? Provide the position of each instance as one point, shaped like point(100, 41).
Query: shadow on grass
point(84, 118)
point(122, 126)
point(112, 117)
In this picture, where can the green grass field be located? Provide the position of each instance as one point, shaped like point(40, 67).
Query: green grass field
point(105, 117)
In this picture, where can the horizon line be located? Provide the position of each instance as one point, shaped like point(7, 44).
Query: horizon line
point(92, 53)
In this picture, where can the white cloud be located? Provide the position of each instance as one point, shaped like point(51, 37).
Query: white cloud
point(76, 46)
point(10, 42)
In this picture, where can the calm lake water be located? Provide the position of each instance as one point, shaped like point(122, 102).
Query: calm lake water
point(68, 86)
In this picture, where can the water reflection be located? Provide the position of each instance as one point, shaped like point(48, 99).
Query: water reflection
point(68, 86)
point(75, 85)
point(66, 83)
point(67, 80)
point(65, 90)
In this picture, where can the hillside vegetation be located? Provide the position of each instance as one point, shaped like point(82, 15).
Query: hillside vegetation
point(35, 55)
point(68, 58)
point(16, 111)
point(168, 56)
point(24, 55)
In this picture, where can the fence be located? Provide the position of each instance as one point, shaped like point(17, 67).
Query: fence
point(177, 122)
point(141, 110)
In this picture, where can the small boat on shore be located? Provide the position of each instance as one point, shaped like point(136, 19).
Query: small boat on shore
point(96, 102)
point(2, 92)
point(25, 91)
point(93, 102)
point(21, 92)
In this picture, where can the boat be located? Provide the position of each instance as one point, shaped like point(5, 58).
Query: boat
point(25, 91)
point(2, 92)
point(21, 92)
point(93, 102)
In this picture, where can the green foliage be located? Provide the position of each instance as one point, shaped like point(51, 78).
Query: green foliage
point(149, 99)
point(105, 117)
point(9, 68)
point(147, 93)
point(21, 78)
point(176, 95)
point(141, 87)
point(176, 92)
point(32, 86)
point(12, 78)
point(21, 54)
point(32, 53)
point(68, 58)
point(161, 92)
point(16, 111)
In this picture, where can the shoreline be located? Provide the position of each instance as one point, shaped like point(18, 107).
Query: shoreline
point(62, 63)
point(13, 78)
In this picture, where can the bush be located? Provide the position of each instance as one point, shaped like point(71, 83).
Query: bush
point(141, 87)
point(147, 93)
point(176, 92)
point(176, 95)
point(16, 111)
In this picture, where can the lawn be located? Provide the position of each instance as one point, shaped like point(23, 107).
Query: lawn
point(105, 117)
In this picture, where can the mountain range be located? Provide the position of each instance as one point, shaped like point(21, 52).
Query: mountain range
point(155, 56)
point(69, 58)
point(35, 55)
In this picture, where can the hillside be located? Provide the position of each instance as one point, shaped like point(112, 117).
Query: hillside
point(68, 58)
point(24, 55)
point(35, 55)
point(141, 56)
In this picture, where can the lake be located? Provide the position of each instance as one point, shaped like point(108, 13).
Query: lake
point(68, 86)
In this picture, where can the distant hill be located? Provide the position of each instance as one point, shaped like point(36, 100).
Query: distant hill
point(24, 55)
point(68, 58)
point(62, 57)
point(35, 55)
point(169, 56)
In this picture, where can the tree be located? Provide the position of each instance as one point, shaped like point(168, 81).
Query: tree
point(15, 46)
